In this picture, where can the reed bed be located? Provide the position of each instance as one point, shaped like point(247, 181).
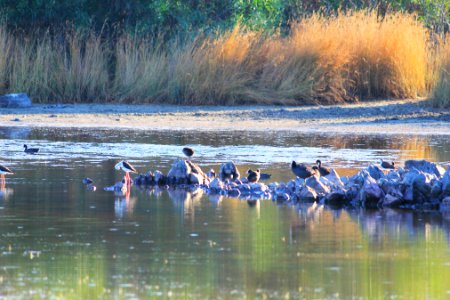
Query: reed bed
point(440, 96)
point(349, 57)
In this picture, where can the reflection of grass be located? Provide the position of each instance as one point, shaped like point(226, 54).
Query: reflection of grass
point(417, 148)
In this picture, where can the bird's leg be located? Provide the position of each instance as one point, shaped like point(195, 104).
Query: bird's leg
point(127, 178)
point(2, 180)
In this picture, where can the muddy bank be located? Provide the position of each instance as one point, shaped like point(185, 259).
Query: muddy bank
point(378, 117)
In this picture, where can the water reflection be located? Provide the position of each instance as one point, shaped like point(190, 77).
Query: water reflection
point(184, 244)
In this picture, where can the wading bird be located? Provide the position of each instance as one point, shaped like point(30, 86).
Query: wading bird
point(127, 168)
point(4, 171)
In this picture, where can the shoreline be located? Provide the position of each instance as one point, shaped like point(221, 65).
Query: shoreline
point(374, 117)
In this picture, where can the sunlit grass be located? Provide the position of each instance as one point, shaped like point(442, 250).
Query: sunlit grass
point(326, 60)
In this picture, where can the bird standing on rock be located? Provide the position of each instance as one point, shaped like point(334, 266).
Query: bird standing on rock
point(302, 170)
point(30, 150)
point(387, 165)
point(189, 152)
point(127, 168)
point(324, 171)
point(253, 176)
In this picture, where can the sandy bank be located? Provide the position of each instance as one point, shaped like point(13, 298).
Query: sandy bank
point(378, 117)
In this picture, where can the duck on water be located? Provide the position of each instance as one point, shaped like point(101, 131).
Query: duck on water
point(30, 150)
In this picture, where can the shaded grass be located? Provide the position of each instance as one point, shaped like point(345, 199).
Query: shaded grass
point(440, 96)
point(327, 60)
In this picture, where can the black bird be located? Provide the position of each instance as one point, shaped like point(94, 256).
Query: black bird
point(324, 171)
point(88, 181)
point(264, 176)
point(189, 152)
point(302, 170)
point(253, 176)
point(30, 150)
point(387, 165)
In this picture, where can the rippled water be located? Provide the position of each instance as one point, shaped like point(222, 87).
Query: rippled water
point(60, 240)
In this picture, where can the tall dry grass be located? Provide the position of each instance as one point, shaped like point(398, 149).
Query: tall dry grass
point(440, 96)
point(327, 60)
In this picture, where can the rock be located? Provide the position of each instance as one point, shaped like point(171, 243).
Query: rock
point(258, 187)
point(337, 198)
point(195, 178)
point(159, 178)
point(420, 184)
point(445, 205)
point(314, 183)
point(229, 171)
point(234, 192)
point(446, 183)
point(436, 189)
point(375, 172)
point(307, 194)
point(20, 100)
point(179, 171)
point(216, 185)
point(425, 167)
point(282, 197)
point(334, 179)
point(370, 194)
point(391, 201)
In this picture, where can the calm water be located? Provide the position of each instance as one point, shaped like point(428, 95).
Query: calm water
point(59, 240)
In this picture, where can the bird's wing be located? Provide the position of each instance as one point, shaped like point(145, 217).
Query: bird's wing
point(128, 166)
point(5, 169)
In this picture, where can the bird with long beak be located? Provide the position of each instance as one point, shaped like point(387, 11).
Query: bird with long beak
point(127, 168)
point(4, 171)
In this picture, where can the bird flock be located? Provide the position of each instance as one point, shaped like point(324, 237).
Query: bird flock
point(298, 169)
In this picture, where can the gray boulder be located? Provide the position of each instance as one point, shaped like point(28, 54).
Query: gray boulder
point(425, 167)
point(314, 183)
point(370, 194)
point(15, 101)
point(307, 194)
point(179, 171)
point(375, 172)
point(446, 183)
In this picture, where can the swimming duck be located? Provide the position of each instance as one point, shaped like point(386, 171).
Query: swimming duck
point(302, 170)
point(253, 176)
point(324, 171)
point(387, 165)
point(30, 150)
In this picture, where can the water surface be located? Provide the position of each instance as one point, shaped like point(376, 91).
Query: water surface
point(60, 240)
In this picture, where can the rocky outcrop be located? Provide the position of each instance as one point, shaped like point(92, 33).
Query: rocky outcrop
point(20, 100)
point(421, 185)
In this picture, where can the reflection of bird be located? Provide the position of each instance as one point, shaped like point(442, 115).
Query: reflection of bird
point(189, 152)
point(30, 150)
point(387, 165)
point(127, 168)
point(253, 176)
point(324, 171)
point(4, 171)
point(302, 170)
